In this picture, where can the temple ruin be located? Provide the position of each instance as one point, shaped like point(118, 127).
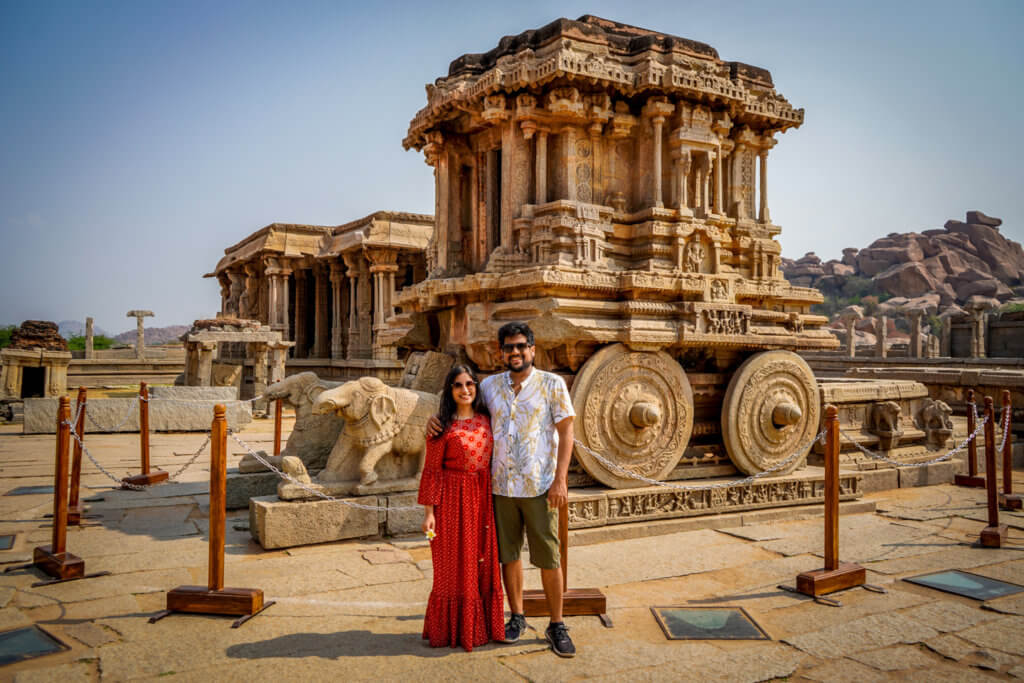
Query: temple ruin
point(327, 289)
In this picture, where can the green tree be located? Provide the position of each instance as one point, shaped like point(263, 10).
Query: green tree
point(99, 342)
point(5, 335)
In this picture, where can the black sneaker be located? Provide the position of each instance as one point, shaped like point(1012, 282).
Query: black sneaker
point(514, 628)
point(558, 637)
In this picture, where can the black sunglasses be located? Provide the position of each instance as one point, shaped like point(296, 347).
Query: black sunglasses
point(520, 346)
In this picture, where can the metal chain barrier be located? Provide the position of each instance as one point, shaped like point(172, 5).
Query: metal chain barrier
point(118, 480)
point(1004, 426)
point(702, 487)
point(305, 487)
point(897, 463)
point(117, 428)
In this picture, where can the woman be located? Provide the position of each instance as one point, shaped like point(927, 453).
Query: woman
point(465, 606)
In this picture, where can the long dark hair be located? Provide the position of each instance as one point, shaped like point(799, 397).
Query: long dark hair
point(447, 412)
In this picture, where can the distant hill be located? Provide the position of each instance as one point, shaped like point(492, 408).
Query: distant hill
point(155, 335)
point(75, 328)
point(936, 269)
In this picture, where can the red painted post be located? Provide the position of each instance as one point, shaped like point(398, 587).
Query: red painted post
point(74, 508)
point(1007, 499)
point(278, 409)
point(144, 426)
point(58, 543)
point(994, 535)
point(971, 479)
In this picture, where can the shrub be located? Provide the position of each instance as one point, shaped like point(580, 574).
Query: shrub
point(5, 335)
point(100, 341)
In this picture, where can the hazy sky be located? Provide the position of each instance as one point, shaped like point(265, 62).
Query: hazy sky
point(139, 139)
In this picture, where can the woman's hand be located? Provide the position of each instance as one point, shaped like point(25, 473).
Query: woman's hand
point(429, 523)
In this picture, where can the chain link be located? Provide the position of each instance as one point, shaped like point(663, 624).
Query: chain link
point(897, 463)
point(122, 423)
point(703, 487)
point(121, 482)
point(320, 494)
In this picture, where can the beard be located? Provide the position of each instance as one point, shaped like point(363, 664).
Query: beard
point(524, 365)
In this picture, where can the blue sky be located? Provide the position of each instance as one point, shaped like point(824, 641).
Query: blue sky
point(141, 138)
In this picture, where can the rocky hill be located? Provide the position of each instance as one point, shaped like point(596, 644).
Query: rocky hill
point(938, 269)
point(155, 335)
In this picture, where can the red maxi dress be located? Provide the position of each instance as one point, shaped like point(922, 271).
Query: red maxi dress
point(466, 602)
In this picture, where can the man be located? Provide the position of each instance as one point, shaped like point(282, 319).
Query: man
point(531, 419)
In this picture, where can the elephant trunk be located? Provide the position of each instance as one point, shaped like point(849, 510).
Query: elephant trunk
point(324, 405)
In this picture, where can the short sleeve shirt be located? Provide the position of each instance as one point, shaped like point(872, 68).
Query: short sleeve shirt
point(525, 439)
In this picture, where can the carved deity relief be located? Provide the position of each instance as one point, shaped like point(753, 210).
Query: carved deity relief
point(695, 254)
point(719, 290)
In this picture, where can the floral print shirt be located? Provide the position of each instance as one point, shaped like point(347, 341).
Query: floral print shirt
point(525, 439)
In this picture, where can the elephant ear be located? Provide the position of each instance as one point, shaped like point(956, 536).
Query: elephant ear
point(382, 409)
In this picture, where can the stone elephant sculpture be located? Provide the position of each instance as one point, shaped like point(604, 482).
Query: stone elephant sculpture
point(885, 424)
point(382, 446)
point(936, 422)
point(313, 435)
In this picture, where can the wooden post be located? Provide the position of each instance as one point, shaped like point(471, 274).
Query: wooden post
point(54, 558)
point(218, 513)
point(835, 575)
point(994, 535)
point(1007, 499)
point(576, 602)
point(278, 409)
point(147, 477)
point(214, 598)
point(971, 479)
point(74, 508)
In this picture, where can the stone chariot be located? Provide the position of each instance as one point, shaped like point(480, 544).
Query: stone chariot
point(608, 185)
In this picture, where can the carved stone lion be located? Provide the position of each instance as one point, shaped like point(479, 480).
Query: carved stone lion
point(313, 436)
point(382, 446)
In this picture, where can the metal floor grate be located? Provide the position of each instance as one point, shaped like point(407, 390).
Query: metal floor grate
point(708, 623)
point(966, 584)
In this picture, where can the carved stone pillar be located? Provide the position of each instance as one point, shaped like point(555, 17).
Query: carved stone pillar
point(881, 332)
point(278, 355)
point(541, 169)
point(321, 340)
point(252, 295)
point(225, 293)
point(763, 214)
point(205, 366)
point(851, 337)
point(978, 320)
point(718, 182)
point(365, 308)
point(946, 343)
point(683, 162)
point(438, 158)
point(89, 346)
point(382, 269)
point(337, 306)
point(301, 311)
point(569, 133)
point(915, 350)
point(259, 373)
point(236, 287)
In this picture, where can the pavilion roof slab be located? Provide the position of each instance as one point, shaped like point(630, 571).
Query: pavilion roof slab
point(610, 56)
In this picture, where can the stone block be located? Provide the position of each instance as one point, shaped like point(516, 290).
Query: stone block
point(216, 394)
point(190, 410)
point(936, 473)
point(282, 524)
point(167, 416)
point(107, 413)
point(880, 479)
point(241, 487)
point(400, 522)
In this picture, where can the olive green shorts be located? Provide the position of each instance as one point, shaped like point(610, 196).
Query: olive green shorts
point(511, 515)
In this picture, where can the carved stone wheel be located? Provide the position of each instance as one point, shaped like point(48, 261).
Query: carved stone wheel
point(635, 409)
point(771, 408)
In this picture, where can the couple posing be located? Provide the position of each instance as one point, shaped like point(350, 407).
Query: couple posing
point(510, 435)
